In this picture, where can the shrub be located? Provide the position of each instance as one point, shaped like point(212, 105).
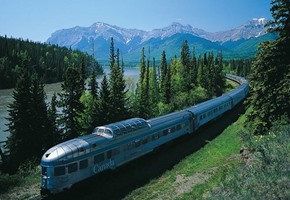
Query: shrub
point(266, 173)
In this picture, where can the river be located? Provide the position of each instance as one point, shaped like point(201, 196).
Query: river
point(131, 76)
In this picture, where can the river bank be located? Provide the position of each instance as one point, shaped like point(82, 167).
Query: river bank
point(131, 75)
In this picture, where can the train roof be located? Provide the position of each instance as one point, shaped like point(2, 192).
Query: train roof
point(72, 148)
point(207, 105)
point(120, 128)
point(168, 117)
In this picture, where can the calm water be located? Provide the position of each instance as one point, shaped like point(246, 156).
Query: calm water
point(131, 77)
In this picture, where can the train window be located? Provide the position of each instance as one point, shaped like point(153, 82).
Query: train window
point(129, 129)
point(173, 129)
point(165, 132)
point(95, 130)
point(183, 125)
point(44, 171)
point(109, 154)
point(130, 146)
point(108, 132)
point(137, 143)
point(123, 130)
point(84, 164)
point(101, 130)
point(117, 131)
point(145, 140)
point(72, 168)
point(99, 158)
point(116, 151)
point(59, 171)
point(178, 127)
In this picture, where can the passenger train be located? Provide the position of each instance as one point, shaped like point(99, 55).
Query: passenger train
point(112, 145)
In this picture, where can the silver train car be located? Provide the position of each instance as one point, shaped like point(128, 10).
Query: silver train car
point(112, 145)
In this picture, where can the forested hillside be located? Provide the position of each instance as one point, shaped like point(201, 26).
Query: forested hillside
point(48, 61)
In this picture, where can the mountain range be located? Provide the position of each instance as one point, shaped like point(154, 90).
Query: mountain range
point(239, 42)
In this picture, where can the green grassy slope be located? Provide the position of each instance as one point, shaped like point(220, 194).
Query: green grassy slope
point(195, 175)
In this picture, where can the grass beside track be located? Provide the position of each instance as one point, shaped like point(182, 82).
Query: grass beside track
point(198, 173)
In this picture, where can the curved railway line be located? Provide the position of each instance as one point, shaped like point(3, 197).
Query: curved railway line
point(115, 144)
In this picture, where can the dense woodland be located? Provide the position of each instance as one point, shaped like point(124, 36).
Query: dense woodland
point(171, 86)
point(174, 84)
point(270, 77)
point(48, 61)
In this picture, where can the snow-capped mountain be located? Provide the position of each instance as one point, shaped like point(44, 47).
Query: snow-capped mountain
point(253, 28)
point(130, 40)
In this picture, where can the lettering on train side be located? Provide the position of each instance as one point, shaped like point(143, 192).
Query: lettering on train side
point(102, 167)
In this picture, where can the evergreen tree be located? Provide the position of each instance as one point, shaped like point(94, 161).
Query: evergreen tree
point(270, 77)
point(142, 67)
point(54, 136)
point(40, 126)
point(83, 72)
point(93, 85)
point(145, 99)
point(202, 77)
point(72, 90)
point(193, 70)
point(112, 54)
point(104, 102)
point(19, 122)
point(163, 78)
point(28, 118)
point(218, 79)
point(187, 64)
point(185, 55)
point(117, 93)
point(141, 109)
point(153, 91)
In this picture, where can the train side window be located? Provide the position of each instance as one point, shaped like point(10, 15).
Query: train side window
point(137, 143)
point(109, 154)
point(145, 140)
point(84, 164)
point(165, 132)
point(99, 158)
point(59, 171)
point(72, 167)
point(44, 171)
point(116, 151)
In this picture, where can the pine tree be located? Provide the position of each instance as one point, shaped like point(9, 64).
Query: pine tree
point(28, 118)
point(185, 55)
point(218, 79)
point(270, 77)
point(54, 136)
point(93, 85)
point(153, 90)
point(187, 64)
point(112, 54)
point(40, 126)
point(163, 78)
point(19, 121)
point(141, 109)
point(117, 92)
point(105, 103)
point(193, 70)
point(72, 90)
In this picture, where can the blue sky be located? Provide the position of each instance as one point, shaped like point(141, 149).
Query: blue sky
point(38, 19)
